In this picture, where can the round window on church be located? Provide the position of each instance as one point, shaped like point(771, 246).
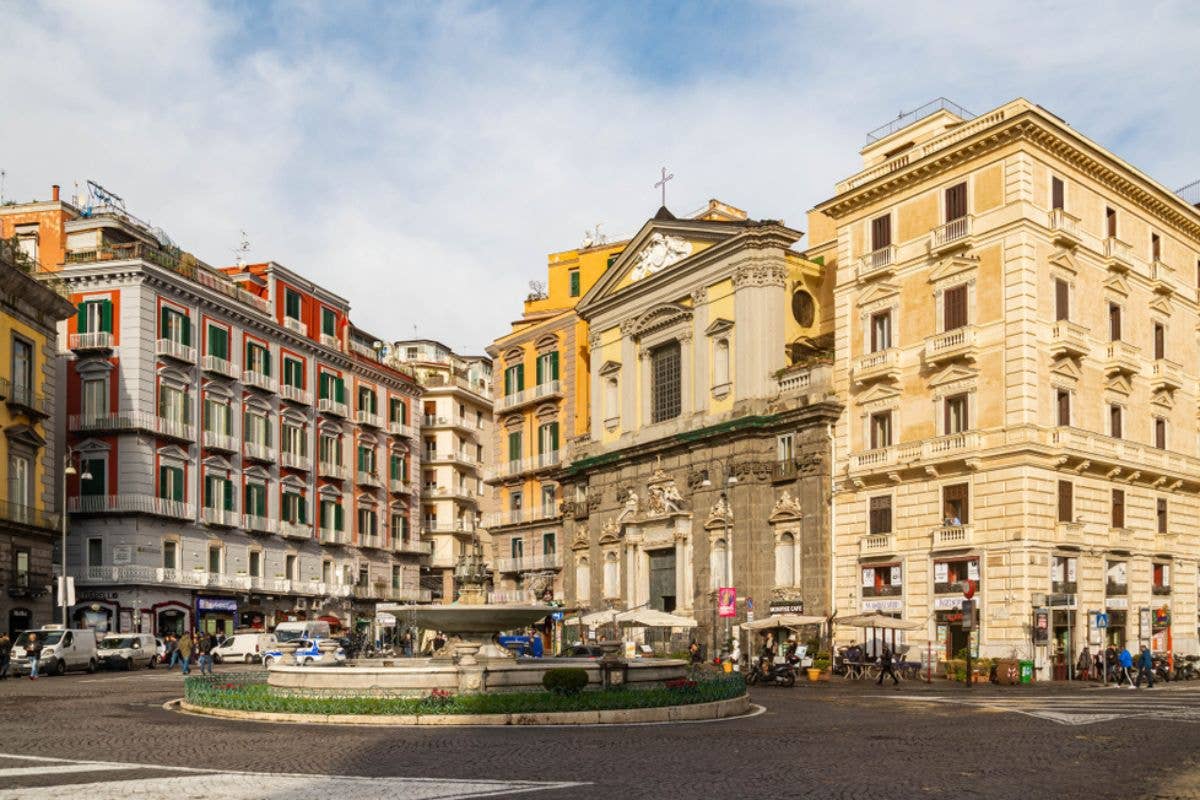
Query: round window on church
point(803, 308)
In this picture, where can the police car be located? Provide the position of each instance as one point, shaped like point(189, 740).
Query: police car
point(308, 653)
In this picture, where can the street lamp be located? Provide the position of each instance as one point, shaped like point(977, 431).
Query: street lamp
point(68, 470)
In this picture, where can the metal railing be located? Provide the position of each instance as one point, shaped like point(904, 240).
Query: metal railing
point(27, 515)
point(542, 390)
point(368, 418)
point(252, 522)
point(131, 420)
point(331, 341)
point(175, 350)
point(295, 530)
point(295, 461)
point(400, 429)
point(876, 260)
point(518, 516)
point(295, 394)
point(327, 469)
point(259, 452)
point(295, 325)
point(222, 517)
point(328, 406)
point(907, 118)
point(411, 546)
point(98, 340)
point(220, 441)
point(219, 366)
point(953, 231)
point(130, 504)
point(368, 479)
point(22, 396)
point(529, 563)
point(333, 536)
point(259, 381)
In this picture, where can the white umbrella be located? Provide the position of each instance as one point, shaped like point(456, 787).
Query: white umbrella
point(653, 618)
point(782, 621)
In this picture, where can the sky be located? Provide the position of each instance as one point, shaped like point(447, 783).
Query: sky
point(421, 160)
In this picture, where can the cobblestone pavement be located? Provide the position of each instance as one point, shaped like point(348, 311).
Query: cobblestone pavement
point(832, 740)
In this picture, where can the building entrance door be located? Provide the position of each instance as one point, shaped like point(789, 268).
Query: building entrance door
point(662, 580)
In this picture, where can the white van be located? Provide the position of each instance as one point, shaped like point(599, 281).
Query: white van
point(62, 649)
point(127, 651)
point(310, 629)
point(244, 647)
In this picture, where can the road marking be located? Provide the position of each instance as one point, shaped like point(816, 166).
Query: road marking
point(1083, 709)
point(233, 785)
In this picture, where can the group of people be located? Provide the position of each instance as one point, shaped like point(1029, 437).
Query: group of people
point(181, 649)
point(1120, 664)
point(33, 651)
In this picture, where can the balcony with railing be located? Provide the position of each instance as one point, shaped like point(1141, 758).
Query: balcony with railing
point(949, 537)
point(331, 341)
point(1114, 589)
point(951, 345)
point(1160, 590)
point(130, 504)
point(295, 326)
point(543, 391)
point(953, 235)
point(97, 340)
point(328, 469)
point(295, 530)
point(874, 544)
point(365, 350)
point(333, 536)
point(883, 590)
point(370, 479)
point(169, 348)
point(219, 441)
point(433, 526)
point(1122, 358)
point(1064, 228)
point(221, 517)
point(23, 399)
point(328, 405)
point(519, 516)
point(371, 541)
point(118, 421)
point(880, 365)
point(20, 514)
point(256, 524)
point(877, 263)
point(412, 546)
point(364, 417)
point(1069, 339)
point(216, 365)
point(259, 452)
point(292, 460)
point(294, 394)
point(258, 380)
point(400, 429)
point(409, 595)
point(530, 563)
point(1165, 374)
point(399, 486)
point(1118, 255)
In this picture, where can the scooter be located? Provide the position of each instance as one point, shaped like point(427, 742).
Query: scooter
point(772, 674)
point(1161, 670)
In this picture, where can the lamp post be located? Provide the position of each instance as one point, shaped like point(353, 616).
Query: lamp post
point(68, 470)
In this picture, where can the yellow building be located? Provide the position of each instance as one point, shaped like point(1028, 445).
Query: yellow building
point(541, 391)
point(31, 505)
point(1017, 351)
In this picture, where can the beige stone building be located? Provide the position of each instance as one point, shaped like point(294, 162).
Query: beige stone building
point(1017, 347)
point(455, 420)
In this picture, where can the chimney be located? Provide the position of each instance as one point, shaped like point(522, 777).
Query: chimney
point(54, 192)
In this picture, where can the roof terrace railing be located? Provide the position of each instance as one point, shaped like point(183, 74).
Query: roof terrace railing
point(1190, 194)
point(907, 118)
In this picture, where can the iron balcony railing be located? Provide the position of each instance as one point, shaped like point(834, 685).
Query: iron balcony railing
point(28, 515)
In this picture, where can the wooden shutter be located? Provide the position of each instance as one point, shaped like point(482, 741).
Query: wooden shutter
point(81, 315)
point(338, 520)
point(956, 495)
point(520, 377)
point(1062, 300)
point(1160, 344)
point(514, 446)
point(539, 366)
point(1114, 421)
point(554, 366)
point(954, 307)
point(106, 311)
point(1155, 246)
point(1118, 508)
point(881, 515)
point(508, 381)
point(228, 495)
point(1162, 515)
point(164, 316)
point(1160, 434)
point(1064, 407)
point(1066, 504)
point(187, 330)
point(1114, 322)
point(1056, 193)
point(956, 202)
point(881, 232)
point(1110, 221)
point(178, 489)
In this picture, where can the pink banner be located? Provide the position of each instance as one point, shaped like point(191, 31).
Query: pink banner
point(727, 602)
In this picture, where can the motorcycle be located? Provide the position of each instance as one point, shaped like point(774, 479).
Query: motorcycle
point(1185, 667)
point(772, 674)
point(1162, 671)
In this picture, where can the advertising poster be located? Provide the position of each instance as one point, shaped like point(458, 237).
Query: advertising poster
point(726, 601)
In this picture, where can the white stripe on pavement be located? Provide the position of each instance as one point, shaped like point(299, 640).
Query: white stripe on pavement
point(58, 770)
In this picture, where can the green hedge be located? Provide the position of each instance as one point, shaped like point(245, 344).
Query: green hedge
point(250, 692)
point(565, 680)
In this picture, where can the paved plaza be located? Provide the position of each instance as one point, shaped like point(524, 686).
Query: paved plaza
point(108, 736)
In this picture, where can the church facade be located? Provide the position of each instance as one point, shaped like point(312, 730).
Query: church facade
point(706, 460)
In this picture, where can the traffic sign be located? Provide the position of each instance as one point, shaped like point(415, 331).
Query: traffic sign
point(1102, 620)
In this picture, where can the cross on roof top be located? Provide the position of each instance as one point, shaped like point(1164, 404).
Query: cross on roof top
point(663, 184)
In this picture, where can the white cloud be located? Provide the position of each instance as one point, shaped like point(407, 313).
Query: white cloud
point(422, 164)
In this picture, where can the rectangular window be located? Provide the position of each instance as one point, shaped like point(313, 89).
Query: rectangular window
point(291, 304)
point(1160, 340)
point(549, 544)
point(258, 359)
point(1066, 501)
point(1118, 508)
point(665, 396)
point(92, 477)
point(328, 322)
point(514, 379)
point(514, 446)
point(255, 564)
point(217, 417)
point(95, 399)
point(256, 500)
point(548, 438)
point(22, 369)
point(95, 316)
point(367, 401)
point(172, 404)
point(955, 505)
point(956, 202)
point(573, 280)
point(1056, 193)
point(1155, 247)
point(547, 367)
point(1063, 403)
point(170, 483)
point(548, 493)
point(294, 440)
point(293, 372)
point(176, 327)
point(1062, 300)
point(170, 554)
point(218, 342)
point(954, 308)
point(1110, 222)
point(366, 459)
point(1114, 322)
point(294, 508)
point(956, 414)
point(1161, 514)
point(515, 499)
point(291, 567)
point(881, 232)
point(397, 411)
point(95, 552)
point(1115, 416)
point(881, 331)
point(1160, 433)
point(881, 514)
point(332, 388)
point(785, 447)
point(214, 558)
point(517, 548)
point(218, 492)
point(1161, 576)
point(881, 430)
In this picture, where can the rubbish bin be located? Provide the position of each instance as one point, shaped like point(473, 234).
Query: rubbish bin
point(1026, 672)
point(1008, 671)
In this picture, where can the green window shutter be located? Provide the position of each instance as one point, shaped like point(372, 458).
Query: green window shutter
point(514, 446)
point(338, 522)
point(187, 408)
point(178, 484)
point(229, 495)
point(93, 486)
point(554, 366)
point(394, 469)
point(266, 361)
point(303, 503)
point(164, 315)
point(228, 419)
point(403, 469)
point(541, 373)
point(574, 282)
point(248, 499)
point(106, 312)
point(520, 377)
point(162, 481)
point(339, 388)
point(508, 381)
point(187, 331)
point(262, 501)
point(553, 436)
point(207, 416)
point(81, 317)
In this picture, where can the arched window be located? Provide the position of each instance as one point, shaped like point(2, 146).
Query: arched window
point(785, 560)
point(716, 563)
point(583, 580)
point(721, 362)
point(612, 576)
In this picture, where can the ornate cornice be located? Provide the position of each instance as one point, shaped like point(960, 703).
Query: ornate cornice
point(753, 274)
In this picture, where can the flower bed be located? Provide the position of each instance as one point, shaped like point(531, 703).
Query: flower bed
point(250, 692)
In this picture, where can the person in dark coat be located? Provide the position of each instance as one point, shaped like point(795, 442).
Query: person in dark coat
point(887, 667)
point(5, 655)
point(1145, 667)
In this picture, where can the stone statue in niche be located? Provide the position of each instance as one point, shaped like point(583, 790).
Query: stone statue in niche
point(671, 497)
point(631, 504)
point(721, 508)
point(655, 504)
point(659, 253)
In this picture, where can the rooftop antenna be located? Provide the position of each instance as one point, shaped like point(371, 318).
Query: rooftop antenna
point(239, 252)
point(3, 175)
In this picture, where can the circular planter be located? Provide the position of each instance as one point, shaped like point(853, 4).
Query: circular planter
point(814, 674)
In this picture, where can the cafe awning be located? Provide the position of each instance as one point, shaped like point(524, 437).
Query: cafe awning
point(782, 621)
point(638, 618)
point(881, 621)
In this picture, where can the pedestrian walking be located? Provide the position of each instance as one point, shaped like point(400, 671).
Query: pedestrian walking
point(1084, 666)
point(33, 651)
point(185, 651)
point(1126, 662)
point(887, 667)
point(5, 655)
point(1145, 666)
point(204, 647)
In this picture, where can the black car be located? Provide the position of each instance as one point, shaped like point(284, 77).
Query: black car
point(582, 651)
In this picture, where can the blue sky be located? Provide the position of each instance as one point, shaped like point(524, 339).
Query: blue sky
point(422, 160)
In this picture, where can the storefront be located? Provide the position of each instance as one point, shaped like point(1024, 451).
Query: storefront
point(951, 576)
point(97, 615)
point(216, 615)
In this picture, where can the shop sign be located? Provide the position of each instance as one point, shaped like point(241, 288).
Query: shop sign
point(1116, 602)
point(122, 554)
point(887, 604)
point(216, 604)
point(951, 603)
point(1143, 623)
point(787, 607)
point(726, 601)
point(94, 594)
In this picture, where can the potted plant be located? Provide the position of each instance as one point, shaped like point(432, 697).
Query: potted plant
point(820, 663)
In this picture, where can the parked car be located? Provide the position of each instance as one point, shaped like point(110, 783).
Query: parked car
point(309, 629)
point(582, 651)
point(308, 653)
point(245, 647)
point(62, 649)
point(127, 651)
point(160, 652)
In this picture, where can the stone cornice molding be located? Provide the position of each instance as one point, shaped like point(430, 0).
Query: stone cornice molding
point(760, 274)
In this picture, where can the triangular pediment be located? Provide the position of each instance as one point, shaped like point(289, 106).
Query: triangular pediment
point(24, 434)
point(1067, 368)
point(1118, 284)
point(1065, 261)
point(953, 374)
point(880, 290)
point(879, 391)
point(951, 266)
point(718, 326)
point(609, 367)
point(1164, 398)
point(1119, 384)
point(1162, 304)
